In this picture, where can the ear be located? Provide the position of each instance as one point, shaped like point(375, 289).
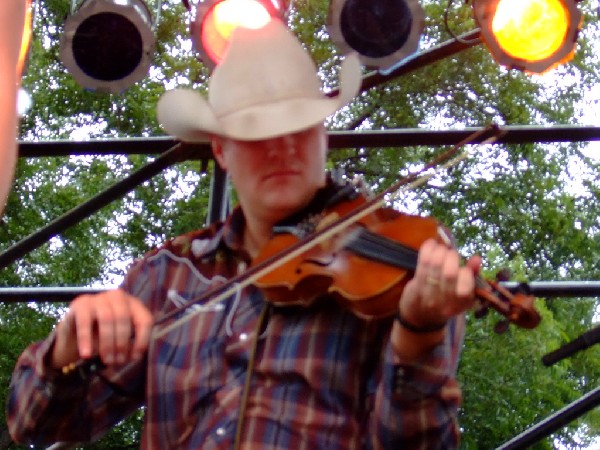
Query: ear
point(217, 149)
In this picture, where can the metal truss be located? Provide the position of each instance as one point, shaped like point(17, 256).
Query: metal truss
point(171, 152)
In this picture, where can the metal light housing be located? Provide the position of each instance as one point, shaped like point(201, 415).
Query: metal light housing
point(107, 45)
point(382, 32)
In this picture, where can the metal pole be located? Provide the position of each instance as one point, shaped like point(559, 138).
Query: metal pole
point(218, 201)
point(394, 138)
point(88, 208)
point(555, 288)
point(554, 422)
point(542, 289)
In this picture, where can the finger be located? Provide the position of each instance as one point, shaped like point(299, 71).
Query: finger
point(466, 283)
point(66, 348)
point(449, 273)
point(84, 318)
point(433, 266)
point(425, 260)
point(106, 329)
point(121, 326)
point(465, 290)
point(142, 323)
point(474, 263)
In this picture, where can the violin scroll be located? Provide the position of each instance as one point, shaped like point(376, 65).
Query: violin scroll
point(518, 308)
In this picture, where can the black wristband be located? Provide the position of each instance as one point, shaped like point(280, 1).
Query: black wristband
point(419, 330)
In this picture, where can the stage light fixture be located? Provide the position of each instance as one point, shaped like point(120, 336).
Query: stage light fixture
point(107, 45)
point(529, 35)
point(23, 97)
point(382, 32)
point(26, 37)
point(216, 19)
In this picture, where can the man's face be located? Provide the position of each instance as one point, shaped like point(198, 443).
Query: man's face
point(275, 177)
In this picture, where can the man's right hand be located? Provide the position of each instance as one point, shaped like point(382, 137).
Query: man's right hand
point(113, 325)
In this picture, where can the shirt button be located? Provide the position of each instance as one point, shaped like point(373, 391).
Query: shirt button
point(220, 431)
point(243, 337)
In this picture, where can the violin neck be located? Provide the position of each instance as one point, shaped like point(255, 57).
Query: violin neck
point(382, 249)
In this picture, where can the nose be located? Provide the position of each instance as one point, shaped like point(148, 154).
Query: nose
point(281, 146)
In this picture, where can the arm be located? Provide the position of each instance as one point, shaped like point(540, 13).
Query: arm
point(416, 405)
point(417, 401)
point(46, 406)
point(12, 18)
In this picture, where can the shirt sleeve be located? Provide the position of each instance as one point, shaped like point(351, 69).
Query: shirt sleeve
point(45, 406)
point(416, 404)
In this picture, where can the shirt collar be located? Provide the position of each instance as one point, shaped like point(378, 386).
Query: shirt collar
point(230, 235)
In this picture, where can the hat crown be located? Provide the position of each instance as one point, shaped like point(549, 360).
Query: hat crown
point(262, 66)
point(266, 86)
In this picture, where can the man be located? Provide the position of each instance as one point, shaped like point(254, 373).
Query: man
point(12, 18)
point(237, 371)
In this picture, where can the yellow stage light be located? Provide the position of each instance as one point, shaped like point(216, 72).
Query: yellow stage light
point(529, 35)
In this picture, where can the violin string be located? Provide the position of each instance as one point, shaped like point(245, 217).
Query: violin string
point(382, 249)
point(254, 273)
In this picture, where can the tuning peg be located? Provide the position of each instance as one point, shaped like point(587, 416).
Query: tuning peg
point(502, 327)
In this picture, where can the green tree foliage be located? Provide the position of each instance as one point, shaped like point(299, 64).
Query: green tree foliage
point(532, 208)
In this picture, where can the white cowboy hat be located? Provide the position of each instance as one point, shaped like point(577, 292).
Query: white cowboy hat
point(266, 86)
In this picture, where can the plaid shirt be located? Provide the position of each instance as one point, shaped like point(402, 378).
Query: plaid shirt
point(321, 378)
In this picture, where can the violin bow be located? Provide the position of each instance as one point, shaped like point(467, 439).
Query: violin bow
point(446, 160)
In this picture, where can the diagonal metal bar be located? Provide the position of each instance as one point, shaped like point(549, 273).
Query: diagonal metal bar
point(86, 209)
point(420, 60)
point(425, 58)
point(554, 422)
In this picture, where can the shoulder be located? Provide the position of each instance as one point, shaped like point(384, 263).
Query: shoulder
point(194, 245)
point(186, 257)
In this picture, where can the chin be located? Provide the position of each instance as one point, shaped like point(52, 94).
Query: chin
point(282, 209)
point(284, 206)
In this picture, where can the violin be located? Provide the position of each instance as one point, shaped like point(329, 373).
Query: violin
point(357, 240)
point(366, 267)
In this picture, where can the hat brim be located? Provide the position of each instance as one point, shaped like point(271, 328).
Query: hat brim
point(185, 114)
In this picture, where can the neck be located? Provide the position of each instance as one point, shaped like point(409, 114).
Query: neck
point(256, 236)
